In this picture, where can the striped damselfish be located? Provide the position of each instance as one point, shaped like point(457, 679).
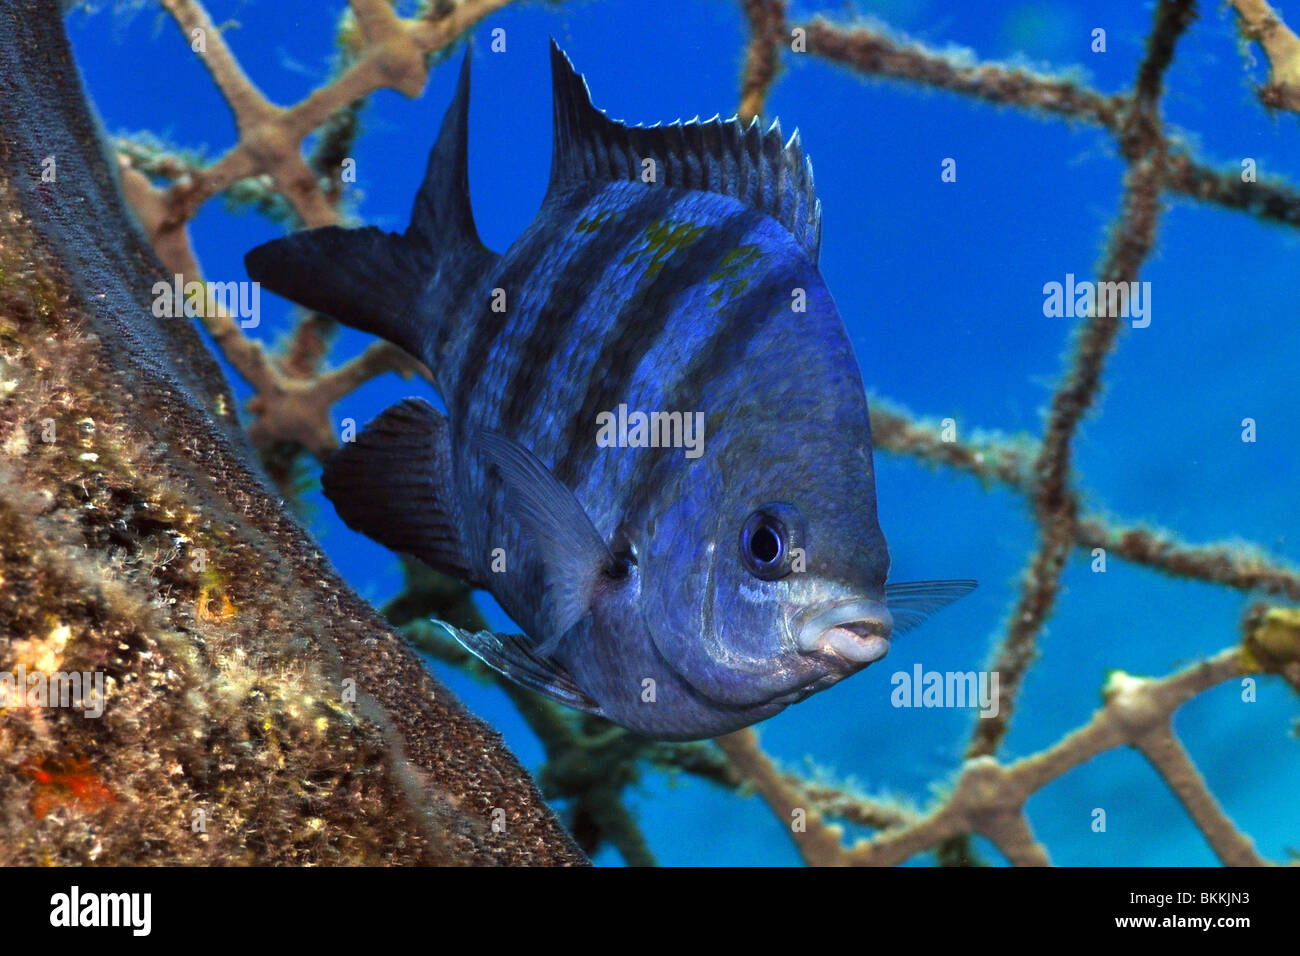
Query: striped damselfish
point(656, 453)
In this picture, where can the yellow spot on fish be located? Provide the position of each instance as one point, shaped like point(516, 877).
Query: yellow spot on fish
point(592, 223)
point(730, 274)
point(663, 239)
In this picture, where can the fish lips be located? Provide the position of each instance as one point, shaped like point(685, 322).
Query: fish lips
point(848, 634)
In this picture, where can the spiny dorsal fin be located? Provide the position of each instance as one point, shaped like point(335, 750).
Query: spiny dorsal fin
point(721, 156)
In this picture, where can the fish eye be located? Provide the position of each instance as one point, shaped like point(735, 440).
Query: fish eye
point(766, 541)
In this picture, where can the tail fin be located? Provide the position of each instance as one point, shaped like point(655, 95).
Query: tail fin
point(380, 282)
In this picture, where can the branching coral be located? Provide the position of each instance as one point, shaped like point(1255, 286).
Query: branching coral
point(589, 762)
point(988, 798)
point(292, 403)
point(1262, 24)
point(1054, 500)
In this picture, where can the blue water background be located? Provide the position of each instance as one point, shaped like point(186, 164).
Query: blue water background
point(940, 285)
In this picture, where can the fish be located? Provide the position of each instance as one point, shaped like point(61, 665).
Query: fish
point(655, 451)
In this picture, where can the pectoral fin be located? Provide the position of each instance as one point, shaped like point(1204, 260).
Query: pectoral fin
point(574, 555)
point(911, 602)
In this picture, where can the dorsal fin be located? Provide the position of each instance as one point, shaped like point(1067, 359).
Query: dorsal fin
point(442, 208)
point(398, 287)
point(726, 157)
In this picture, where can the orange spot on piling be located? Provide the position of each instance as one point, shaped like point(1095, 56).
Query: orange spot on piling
point(68, 782)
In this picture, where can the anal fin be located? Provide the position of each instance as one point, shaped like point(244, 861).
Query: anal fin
point(394, 484)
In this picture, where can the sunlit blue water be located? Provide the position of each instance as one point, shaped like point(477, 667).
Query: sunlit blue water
point(941, 287)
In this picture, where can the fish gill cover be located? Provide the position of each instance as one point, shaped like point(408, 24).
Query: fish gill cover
point(671, 286)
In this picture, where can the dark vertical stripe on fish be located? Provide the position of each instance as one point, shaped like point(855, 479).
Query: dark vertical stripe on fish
point(739, 323)
point(547, 337)
point(486, 325)
point(640, 324)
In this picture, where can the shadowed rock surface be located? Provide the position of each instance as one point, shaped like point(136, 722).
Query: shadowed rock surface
point(137, 540)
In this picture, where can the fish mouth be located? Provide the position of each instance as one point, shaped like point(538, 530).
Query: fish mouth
point(855, 631)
